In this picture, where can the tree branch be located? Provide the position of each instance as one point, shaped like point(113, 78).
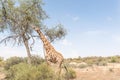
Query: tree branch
point(9, 37)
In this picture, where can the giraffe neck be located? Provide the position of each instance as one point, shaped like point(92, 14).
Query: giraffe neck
point(46, 43)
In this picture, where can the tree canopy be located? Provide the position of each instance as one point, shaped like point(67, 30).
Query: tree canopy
point(17, 17)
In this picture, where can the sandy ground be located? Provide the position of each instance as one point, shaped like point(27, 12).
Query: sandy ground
point(2, 76)
point(110, 72)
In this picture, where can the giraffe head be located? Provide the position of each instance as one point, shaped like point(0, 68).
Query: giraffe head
point(35, 28)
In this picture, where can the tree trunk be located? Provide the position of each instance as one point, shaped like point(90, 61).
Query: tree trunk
point(27, 49)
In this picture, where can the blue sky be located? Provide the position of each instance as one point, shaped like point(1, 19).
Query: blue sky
point(93, 28)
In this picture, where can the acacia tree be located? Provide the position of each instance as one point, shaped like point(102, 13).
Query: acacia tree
point(17, 16)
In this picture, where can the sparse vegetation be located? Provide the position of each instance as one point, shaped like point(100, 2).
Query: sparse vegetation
point(83, 66)
point(1, 61)
point(114, 59)
point(12, 61)
point(35, 60)
point(100, 61)
point(25, 71)
point(18, 69)
point(71, 74)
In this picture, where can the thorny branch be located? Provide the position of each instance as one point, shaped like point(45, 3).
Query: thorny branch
point(8, 38)
point(14, 37)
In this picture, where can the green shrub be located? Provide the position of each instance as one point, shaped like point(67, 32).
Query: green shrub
point(71, 74)
point(102, 63)
point(1, 61)
point(35, 60)
point(47, 72)
point(82, 66)
point(113, 59)
point(12, 61)
point(25, 71)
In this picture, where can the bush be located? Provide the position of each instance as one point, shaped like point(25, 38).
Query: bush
point(102, 63)
point(113, 60)
point(82, 66)
point(12, 61)
point(25, 71)
point(71, 74)
point(1, 61)
point(35, 60)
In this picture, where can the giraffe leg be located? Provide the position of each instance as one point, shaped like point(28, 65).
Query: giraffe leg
point(48, 62)
point(60, 67)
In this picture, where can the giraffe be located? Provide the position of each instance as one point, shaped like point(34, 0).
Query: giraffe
point(51, 55)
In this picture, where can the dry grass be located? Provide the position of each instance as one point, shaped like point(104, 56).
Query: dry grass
point(110, 72)
point(2, 75)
